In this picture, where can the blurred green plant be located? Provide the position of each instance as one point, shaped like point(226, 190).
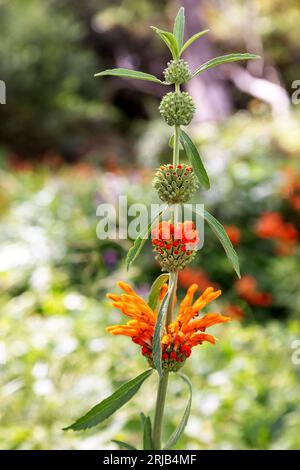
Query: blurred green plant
point(52, 308)
point(52, 279)
point(51, 94)
point(246, 390)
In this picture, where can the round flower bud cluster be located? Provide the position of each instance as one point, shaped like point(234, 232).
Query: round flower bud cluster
point(177, 72)
point(174, 246)
point(175, 184)
point(177, 108)
point(172, 360)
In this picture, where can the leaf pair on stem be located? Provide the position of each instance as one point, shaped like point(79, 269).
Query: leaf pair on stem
point(110, 405)
point(174, 42)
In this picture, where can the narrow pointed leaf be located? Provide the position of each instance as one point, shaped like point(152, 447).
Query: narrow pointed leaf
point(221, 234)
point(147, 437)
point(111, 404)
point(124, 445)
point(192, 39)
point(194, 159)
point(142, 418)
point(137, 246)
point(224, 59)
point(155, 290)
point(159, 327)
point(127, 73)
point(171, 141)
point(169, 40)
point(183, 422)
point(178, 29)
point(141, 240)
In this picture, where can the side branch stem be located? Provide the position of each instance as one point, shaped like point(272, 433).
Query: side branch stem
point(159, 410)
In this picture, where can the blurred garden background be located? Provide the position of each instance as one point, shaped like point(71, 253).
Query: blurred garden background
point(69, 141)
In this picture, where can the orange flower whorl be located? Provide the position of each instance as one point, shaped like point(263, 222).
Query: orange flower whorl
point(179, 337)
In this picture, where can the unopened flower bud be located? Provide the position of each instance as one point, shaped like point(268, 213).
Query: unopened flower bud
point(177, 72)
point(175, 184)
point(174, 246)
point(177, 108)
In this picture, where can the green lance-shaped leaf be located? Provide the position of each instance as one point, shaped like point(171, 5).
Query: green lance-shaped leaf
point(141, 240)
point(127, 73)
point(147, 436)
point(183, 422)
point(178, 29)
point(111, 404)
point(142, 418)
point(224, 59)
point(159, 327)
point(155, 290)
point(221, 234)
point(169, 40)
point(124, 445)
point(194, 159)
point(192, 39)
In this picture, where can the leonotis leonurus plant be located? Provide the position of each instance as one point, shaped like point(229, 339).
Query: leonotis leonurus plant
point(167, 339)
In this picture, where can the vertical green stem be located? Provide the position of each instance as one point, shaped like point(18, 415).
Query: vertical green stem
point(176, 159)
point(176, 137)
point(163, 380)
point(159, 410)
point(176, 146)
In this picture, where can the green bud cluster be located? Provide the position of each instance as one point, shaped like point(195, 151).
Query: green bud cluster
point(175, 185)
point(172, 258)
point(177, 108)
point(167, 365)
point(177, 72)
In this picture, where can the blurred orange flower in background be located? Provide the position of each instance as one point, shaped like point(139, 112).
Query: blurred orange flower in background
point(83, 169)
point(234, 312)
point(291, 188)
point(17, 164)
point(246, 287)
point(194, 275)
point(271, 225)
point(233, 233)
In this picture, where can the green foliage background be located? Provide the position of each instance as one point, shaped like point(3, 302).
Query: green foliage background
point(56, 361)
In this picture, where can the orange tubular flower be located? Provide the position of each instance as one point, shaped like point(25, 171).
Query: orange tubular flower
point(174, 246)
point(187, 331)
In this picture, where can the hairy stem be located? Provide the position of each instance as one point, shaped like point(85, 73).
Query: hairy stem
point(175, 163)
point(176, 146)
point(176, 138)
point(159, 410)
point(163, 380)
